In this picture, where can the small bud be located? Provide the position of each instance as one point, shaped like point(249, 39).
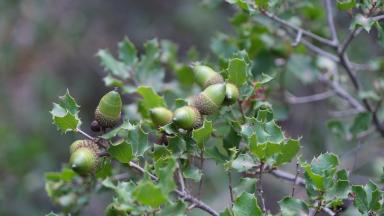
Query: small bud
point(231, 94)
point(95, 127)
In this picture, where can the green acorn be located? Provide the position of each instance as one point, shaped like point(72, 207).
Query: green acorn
point(84, 143)
point(231, 94)
point(108, 112)
point(206, 76)
point(210, 100)
point(187, 117)
point(84, 161)
point(160, 116)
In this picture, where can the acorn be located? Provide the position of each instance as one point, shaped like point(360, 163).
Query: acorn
point(231, 94)
point(108, 112)
point(95, 127)
point(209, 101)
point(84, 143)
point(84, 161)
point(160, 116)
point(206, 76)
point(187, 117)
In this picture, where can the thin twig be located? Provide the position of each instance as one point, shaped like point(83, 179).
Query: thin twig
point(241, 110)
point(186, 196)
point(201, 168)
point(292, 99)
point(331, 23)
point(297, 39)
point(260, 188)
point(342, 93)
point(84, 134)
point(180, 179)
point(230, 186)
point(288, 177)
point(295, 180)
point(297, 29)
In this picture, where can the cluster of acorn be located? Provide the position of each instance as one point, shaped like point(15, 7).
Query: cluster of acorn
point(215, 94)
point(85, 153)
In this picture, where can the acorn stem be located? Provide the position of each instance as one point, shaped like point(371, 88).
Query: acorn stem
point(85, 134)
point(98, 141)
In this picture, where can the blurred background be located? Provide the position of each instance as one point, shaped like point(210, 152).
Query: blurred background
point(49, 46)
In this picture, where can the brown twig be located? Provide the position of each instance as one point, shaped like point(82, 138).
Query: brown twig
point(295, 180)
point(230, 186)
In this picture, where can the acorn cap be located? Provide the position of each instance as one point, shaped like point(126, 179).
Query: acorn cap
point(206, 76)
point(84, 161)
point(187, 117)
point(231, 94)
point(160, 116)
point(84, 143)
point(108, 112)
point(210, 100)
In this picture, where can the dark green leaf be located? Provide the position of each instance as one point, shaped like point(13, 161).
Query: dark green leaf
point(202, 134)
point(121, 151)
point(243, 163)
point(346, 4)
point(127, 52)
point(237, 71)
point(150, 99)
point(246, 205)
point(65, 113)
point(165, 167)
point(174, 209)
point(245, 185)
point(293, 207)
point(149, 194)
point(361, 123)
point(117, 68)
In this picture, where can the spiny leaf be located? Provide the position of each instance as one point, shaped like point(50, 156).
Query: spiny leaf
point(202, 134)
point(246, 205)
point(237, 71)
point(127, 52)
point(150, 99)
point(65, 113)
point(142, 191)
point(116, 67)
point(121, 151)
point(293, 207)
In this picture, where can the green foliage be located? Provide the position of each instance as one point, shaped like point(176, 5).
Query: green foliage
point(244, 139)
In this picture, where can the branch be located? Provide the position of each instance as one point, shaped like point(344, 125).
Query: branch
point(330, 21)
point(297, 181)
point(230, 187)
point(292, 99)
point(297, 29)
point(180, 179)
point(260, 188)
point(196, 202)
point(342, 93)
